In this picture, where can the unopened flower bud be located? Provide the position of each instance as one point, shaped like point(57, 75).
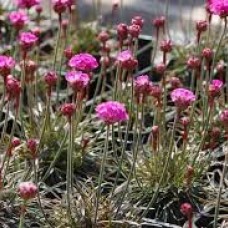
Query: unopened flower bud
point(50, 78)
point(207, 53)
point(193, 62)
point(68, 52)
point(122, 31)
point(32, 146)
point(166, 46)
point(159, 22)
point(160, 68)
point(201, 26)
point(134, 30)
point(137, 20)
point(68, 109)
point(103, 36)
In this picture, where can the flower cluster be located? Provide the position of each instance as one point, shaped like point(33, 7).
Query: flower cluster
point(27, 4)
point(111, 112)
point(83, 62)
point(77, 80)
point(219, 7)
point(27, 40)
point(7, 63)
point(18, 19)
point(27, 190)
point(182, 98)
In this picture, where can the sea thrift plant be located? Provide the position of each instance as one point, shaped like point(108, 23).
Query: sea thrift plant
point(111, 112)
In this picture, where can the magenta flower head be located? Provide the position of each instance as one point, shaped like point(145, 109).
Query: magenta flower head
point(142, 85)
point(7, 63)
point(27, 40)
point(215, 88)
point(224, 117)
point(18, 19)
point(111, 112)
point(182, 98)
point(77, 80)
point(219, 7)
point(27, 4)
point(83, 62)
point(126, 59)
point(27, 190)
point(59, 6)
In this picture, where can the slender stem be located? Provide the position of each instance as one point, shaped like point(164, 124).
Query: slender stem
point(100, 180)
point(5, 123)
point(69, 167)
point(135, 156)
point(220, 191)
point(54, 63)
point(219, 45)
point(153, 199)
point(55, 158)
point(22, 218)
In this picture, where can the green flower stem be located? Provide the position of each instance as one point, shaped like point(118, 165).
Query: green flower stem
point(218, 47)
point(118, 72)
point(46, 123)
point(36, 174)
point(167, 17)
point(124, 145)
point(192, 79)
point(204, 134)
point(101, 176)
point(135, 156)
point(22, 215)
point(220, 189)
point(153, 199)
point(98, 85)
point(55, 60)
point(55, 158)
point(5, 123)
point(7, 158)
point(69, 167)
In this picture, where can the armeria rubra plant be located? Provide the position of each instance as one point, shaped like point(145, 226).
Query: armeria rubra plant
point(107, 143)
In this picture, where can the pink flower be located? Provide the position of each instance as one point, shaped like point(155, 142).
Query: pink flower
point(127, 60)
point(60, 6)
point(27, 4)
point(7, 63)
point(83, 62)
point(219, 7)
point(224, 117)
point(215, 88)
point(27, 190)
point(182, 98)
point(142, 85)
point(27, 40)
point(111, 112)
point(77, 80)
point(18, 19)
